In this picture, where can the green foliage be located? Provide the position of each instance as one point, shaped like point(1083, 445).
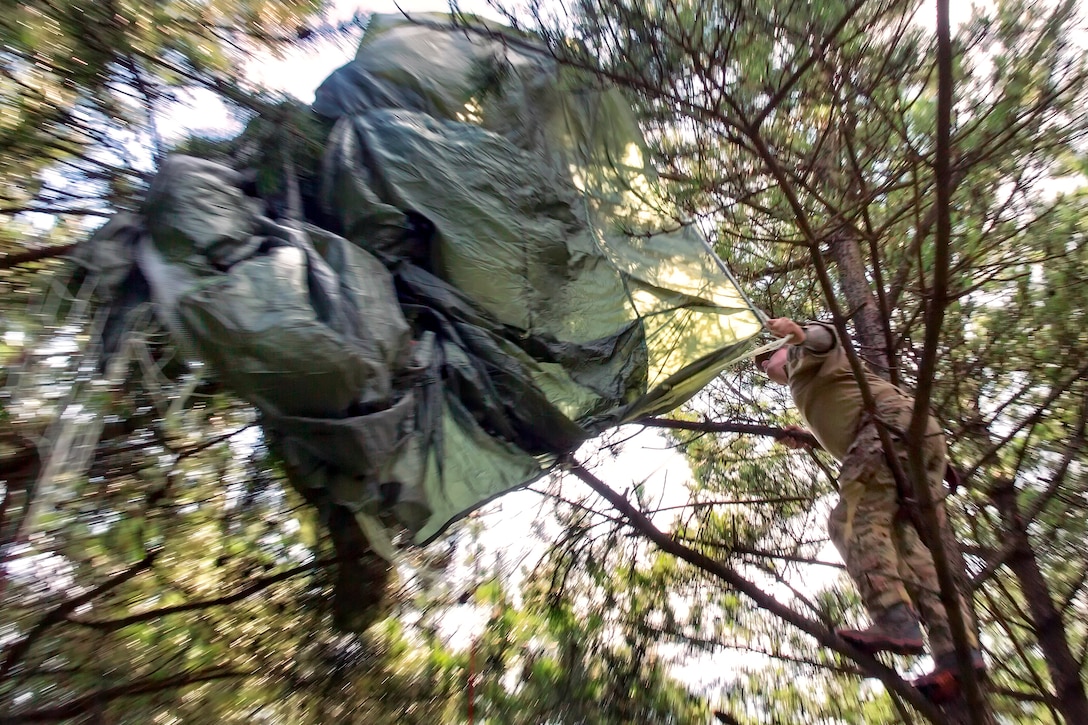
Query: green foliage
point(806, 140)
point(82, 82)
point(803, 135)
point(226, 606)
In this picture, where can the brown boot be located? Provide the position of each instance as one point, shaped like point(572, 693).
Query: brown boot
point(895, 630)
point(943, 683)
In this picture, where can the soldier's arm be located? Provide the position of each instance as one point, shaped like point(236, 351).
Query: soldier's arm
point(819, 337)
point(816, 337)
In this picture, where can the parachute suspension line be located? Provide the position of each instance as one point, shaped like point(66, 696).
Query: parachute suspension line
point(760, 314)
point(768, 347)
point(67, 445)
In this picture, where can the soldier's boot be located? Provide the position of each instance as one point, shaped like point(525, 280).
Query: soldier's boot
point(943, 684)
point(896, 629)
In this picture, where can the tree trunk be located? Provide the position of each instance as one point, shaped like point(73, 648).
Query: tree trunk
point(860, 301)
point(1070, 698)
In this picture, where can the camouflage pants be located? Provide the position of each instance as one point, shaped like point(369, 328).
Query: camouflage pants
point(882, 550)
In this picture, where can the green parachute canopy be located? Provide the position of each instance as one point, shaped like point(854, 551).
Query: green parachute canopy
point(481, 276)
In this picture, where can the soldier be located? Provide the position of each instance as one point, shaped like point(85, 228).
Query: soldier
point(881, 547)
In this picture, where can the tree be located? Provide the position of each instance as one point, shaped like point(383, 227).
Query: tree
point(814, 141)
point(181, 576)
point(84, 82)
point(164, 568)
point(117, 584)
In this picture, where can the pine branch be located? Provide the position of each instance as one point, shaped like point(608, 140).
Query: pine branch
point(61, 612)
point(934, 319)
point(710, 426)
point(803, 68)
point(81, 705)
point(870, 665)
point(257, 585)
point(57, 210)
point(1047, 622)
point(9, 261)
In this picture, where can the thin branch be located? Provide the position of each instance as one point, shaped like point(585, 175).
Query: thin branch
point(249, 590)
point(732, 548)
point(81, 705)
point(710, 426)
point(803, 68)
point(870, 665)
point(1041, 410)
point(59, 613)
point(54, 210)
point(15, 259)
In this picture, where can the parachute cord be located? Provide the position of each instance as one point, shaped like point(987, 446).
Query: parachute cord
point(768, 347)
point(760, 314)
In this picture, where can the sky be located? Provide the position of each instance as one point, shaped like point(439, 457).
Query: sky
point(298, 73)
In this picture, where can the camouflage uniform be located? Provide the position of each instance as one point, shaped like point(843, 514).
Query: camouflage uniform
point(882, 549)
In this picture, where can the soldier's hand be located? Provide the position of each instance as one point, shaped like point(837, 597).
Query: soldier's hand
point(795, 437)
point(785, 327)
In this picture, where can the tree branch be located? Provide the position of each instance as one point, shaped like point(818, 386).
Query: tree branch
point(710, 426)
point(81, 705)
point(765, 601)
point(1050, 629)
point(934, 317)
point(803, 68)
point(249, 590)
point(59, 613)
point(15, 259)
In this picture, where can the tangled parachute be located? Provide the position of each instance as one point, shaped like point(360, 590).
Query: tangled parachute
point(476, 277)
